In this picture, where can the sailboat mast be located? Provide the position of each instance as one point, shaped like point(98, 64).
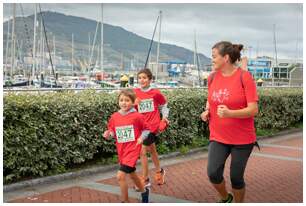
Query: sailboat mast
point(150, 47)
point(297, 40)
point(72, 41)
point(93, 45)
point(34, 44)
point(194, 53)
point(43, 48)
point(7, 45)
point(195, 58)
point(275, 53)
point(19, 53)
point(40, 48)
point(13, 41)
point(89, 43)
point(122, 64)
point(46, 39)
point(53, 54)
point(102, 42)
point(158, 44)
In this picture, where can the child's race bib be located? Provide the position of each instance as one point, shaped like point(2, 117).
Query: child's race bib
point(146, 105)
point(125, 134)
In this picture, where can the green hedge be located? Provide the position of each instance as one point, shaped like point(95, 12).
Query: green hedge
point(46, 133)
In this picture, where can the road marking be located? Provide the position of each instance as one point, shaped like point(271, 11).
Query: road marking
point(277, 157)
point(116, 190)
point(282, 146)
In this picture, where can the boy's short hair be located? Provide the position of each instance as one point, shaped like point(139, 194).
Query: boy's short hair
point(147, 72)
point(128, 93)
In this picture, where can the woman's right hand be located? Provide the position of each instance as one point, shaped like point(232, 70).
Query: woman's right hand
point(205, 115)
point(106, 134)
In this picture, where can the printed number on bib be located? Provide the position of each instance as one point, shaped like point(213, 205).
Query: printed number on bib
point(146, 105)
point(125, 134)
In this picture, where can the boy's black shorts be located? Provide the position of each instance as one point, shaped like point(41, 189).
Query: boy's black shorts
point(127, 169)
point(152, 138)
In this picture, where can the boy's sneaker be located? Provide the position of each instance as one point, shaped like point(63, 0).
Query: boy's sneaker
point(160, 177)
point(229, 199)
point(145, 182)
point(145, 195)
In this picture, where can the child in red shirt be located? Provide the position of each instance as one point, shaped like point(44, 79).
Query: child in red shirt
point(129, 129)
point(149, 101)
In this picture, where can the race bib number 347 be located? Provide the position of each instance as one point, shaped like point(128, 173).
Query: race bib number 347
point(146, 105)
point(125, 134)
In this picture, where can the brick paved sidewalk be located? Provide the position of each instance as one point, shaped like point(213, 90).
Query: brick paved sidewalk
point(273, 174)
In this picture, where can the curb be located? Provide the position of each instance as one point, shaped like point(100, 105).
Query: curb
point(282, 133)
point(57, 178)
point(107, 168)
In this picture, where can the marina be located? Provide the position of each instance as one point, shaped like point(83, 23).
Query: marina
point(35, 58)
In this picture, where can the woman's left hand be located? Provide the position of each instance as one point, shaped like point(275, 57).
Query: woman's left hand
point(223, 111)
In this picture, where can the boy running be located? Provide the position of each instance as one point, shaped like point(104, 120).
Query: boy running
point(130, 129)
point(149, 101)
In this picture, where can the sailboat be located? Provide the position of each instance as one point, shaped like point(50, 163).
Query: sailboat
point(14, 80)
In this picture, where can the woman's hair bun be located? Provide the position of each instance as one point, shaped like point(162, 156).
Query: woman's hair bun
point(238, 46)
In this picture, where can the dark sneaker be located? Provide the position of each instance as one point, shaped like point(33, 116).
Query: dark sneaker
point(160, 177)
point(229, 199)
point(145, 195)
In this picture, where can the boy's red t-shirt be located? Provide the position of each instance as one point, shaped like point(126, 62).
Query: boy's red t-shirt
point(127, 129)
point(147, 104)
point(230, 92)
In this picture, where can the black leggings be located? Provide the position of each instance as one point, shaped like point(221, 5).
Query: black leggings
point(217, 155)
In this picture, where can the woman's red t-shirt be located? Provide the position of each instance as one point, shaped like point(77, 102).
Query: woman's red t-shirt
point(229, 91)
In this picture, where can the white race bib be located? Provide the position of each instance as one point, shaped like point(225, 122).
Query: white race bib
point(125, 134)
point(146, 105)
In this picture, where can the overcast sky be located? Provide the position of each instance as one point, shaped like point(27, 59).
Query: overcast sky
point(248, 24)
